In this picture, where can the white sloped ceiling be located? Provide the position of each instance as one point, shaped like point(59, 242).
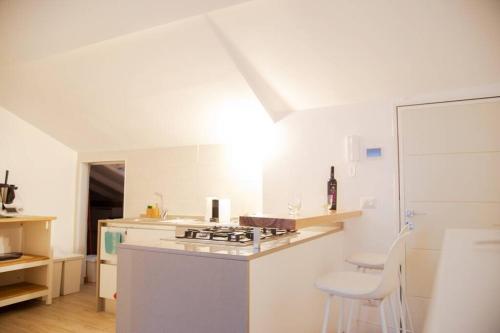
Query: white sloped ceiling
point(34, 29)
point(168, 86)
point(173, 78)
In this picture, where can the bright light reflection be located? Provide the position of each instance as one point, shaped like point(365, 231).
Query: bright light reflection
point(250, 134)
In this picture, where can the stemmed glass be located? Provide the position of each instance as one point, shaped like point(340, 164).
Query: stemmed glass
point(294, 204)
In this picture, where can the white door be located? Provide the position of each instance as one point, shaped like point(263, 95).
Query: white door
point(449, 178)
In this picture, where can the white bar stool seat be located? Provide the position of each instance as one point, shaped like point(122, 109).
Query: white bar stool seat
point(368, 260)
point(349, 284)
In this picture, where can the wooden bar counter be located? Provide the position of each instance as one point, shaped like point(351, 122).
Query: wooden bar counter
point(300, 221)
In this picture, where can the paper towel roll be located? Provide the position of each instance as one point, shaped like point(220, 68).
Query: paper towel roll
point(224, 210)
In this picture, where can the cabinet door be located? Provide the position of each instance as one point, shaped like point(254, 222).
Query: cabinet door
point(111, 258)
point(107, 281)
point(137, 235)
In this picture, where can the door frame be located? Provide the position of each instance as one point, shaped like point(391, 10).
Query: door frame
point(400, 150)
point(82, 201)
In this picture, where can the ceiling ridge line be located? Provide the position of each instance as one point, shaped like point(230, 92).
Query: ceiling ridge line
point(265, 93)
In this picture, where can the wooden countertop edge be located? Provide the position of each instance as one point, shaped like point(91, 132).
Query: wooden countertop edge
point(298, 222)
point(327, 219)
point(301, 222)
point(18, 219)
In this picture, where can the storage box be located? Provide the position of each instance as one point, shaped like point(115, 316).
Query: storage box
point(68, 281)
point(72, 271)
point(57, 277)
point(91, 269)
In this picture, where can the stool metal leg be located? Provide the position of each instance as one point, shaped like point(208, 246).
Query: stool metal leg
point(407, 311)
point(406, 315)
point(352, 304)
point(392, 304)
point(383, 322)
point(340, 324)
point(326, 314)
point(401, 311)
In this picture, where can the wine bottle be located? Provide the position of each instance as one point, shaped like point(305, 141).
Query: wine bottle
point(332, 190)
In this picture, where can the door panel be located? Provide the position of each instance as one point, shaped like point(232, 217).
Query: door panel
point(449, 158)
point(456, 177)
point(418, 307)
point(421, 268)
point(429, 228)
point(455, 125)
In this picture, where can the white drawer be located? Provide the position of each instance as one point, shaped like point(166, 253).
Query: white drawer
point(137, 235)
point(107, 281)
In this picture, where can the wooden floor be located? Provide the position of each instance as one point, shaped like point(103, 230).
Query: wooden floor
point(72, 313)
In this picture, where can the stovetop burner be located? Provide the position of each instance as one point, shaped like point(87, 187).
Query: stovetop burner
point(237, 235)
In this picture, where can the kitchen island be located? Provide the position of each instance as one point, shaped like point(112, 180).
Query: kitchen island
point(182, 286)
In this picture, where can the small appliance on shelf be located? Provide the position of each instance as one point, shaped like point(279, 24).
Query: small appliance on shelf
point(7, 195)
point(10, 256)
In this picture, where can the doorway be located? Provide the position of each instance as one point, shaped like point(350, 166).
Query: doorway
point(449, 157)
point(105, 200)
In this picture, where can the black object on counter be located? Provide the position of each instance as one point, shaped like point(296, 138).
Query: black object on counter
point(215, 211)
point(10, 256)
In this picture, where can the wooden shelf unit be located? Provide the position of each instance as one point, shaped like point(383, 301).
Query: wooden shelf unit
point(29, 276)
point(19, 292)
point(26, 261)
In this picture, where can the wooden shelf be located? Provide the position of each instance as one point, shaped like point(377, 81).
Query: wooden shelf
point(20, 292)
point(26, 261)
point(23, 218)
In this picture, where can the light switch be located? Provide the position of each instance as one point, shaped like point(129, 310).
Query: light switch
point(368, 203)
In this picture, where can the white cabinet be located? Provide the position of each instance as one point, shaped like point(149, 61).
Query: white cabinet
point(107, 283)
point(108, 257)
point(107, 262)
point(133, 234)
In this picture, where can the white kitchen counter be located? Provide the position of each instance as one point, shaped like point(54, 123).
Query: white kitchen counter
point(182, 287)
point(234, 252)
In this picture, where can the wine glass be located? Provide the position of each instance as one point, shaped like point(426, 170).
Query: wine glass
point(294, 204)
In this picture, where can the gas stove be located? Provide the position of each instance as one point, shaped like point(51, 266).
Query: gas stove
point(230, 235)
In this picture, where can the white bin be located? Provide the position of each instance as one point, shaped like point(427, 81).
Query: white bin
point(68, 281)
point(57, 277)
point(91, 269)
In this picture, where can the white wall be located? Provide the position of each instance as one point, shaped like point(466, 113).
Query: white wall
point(185, 176)
point(310, 141)
point(45, 171)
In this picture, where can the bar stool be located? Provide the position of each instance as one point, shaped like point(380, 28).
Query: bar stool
point(364, 286)
point(375, 261)
point(367, 260)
